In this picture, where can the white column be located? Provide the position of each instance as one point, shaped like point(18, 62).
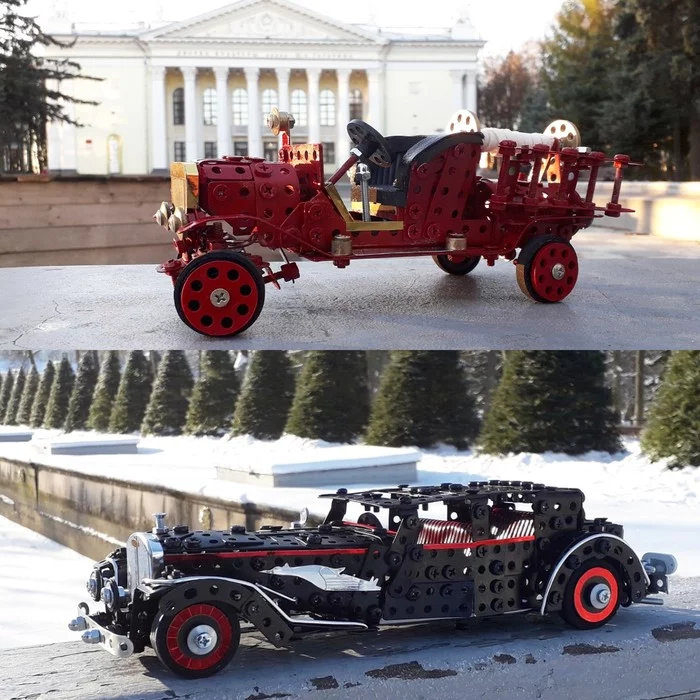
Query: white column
point(376, 99)
point(283, 89)
point(191, 113)
point(472, 97)
point(313, 75)
point(255, 148)
point(223, 112)
point(342, 148)
point(159, 147)
point(458, 89)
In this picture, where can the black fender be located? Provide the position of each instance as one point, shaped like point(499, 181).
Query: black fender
point(603, 547)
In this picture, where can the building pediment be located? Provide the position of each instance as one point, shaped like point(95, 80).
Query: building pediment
point(264, 19)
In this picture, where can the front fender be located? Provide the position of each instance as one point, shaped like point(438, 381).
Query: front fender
point(601, 546)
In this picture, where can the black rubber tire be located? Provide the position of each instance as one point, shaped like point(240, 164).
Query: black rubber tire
point(524, 266)
point(456, 267)
point(159, 641)
point(205, 259)
point(569, 612)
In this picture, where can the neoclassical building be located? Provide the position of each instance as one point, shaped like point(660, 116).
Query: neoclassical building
point(201, 88)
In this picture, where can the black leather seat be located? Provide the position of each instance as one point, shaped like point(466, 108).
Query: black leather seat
point(421, 149)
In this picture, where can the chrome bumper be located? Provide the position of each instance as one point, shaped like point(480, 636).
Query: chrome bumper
point(93, 633)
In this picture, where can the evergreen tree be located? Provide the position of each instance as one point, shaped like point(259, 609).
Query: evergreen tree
point(266, 397)
point(673, 426)
point(59, 398)
point(29, 96)
point(41, 399)
point(551, 401)
point(332, 397)
point(81, 398)
point(31, 386)
point(15, 398)
point(167, 408)
point(423, 400)
point(105, 392)
point(214, 395)
point(133, 395)
point(6, 394)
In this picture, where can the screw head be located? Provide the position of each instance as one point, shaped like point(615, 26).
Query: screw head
point(219, 298)
point(558, 271)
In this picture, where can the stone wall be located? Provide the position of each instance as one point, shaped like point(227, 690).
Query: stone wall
point(74, 508)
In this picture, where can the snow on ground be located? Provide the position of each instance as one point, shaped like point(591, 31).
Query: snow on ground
point(660, 508)
point(41, 583)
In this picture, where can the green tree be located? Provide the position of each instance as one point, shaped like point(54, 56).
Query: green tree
point(15, 398)
point(6, 394)
point(266, 397)
point(580, 60)
point(673, 426)
point(41, 399)
point(423, 400)
point(331, 401)
point(59, 398)
point(214, 395)
point(31, 386)
point(167, 408)
point(551, 401)
point(30, 98)
point(81, 398)
point(105, 392)
point(133, 395)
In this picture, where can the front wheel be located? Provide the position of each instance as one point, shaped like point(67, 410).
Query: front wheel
point(547, 269)
point(455, 265)
point(197, 641)
point(592, 596)
point(219, 294)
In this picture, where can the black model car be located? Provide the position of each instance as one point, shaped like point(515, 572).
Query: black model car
point(504, 547)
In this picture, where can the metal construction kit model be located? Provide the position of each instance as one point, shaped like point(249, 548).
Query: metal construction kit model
point(503, 547)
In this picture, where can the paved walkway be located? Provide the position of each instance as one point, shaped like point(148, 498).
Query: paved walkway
point(634, 292)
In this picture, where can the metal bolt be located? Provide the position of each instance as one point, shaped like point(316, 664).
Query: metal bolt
point(558, 271)
point(91, 637)
point(219, 298)
point(600, 596)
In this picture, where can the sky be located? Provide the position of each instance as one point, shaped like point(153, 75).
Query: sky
point(505, 24)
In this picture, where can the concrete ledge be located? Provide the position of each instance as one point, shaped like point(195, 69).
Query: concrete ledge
point(8, 434)
point(338, 465)
point(86, 445)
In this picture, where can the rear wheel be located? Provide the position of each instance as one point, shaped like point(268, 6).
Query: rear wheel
point(592, 596)
point(455, 265)
point(547, 269)
point(196, 641)
point(220, 294)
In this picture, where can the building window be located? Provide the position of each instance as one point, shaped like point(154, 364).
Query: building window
point(240, 148)
point(178, 106)
point(268, 101)
point(327, 108)
point(300, 107)
point(271, 150)
point(209, 107)
point(210, 149)
point(180, 151)
point(356, 104)
point(240, 107)
point(328, 153)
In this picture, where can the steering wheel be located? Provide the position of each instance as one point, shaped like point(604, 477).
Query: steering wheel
point(370, 143)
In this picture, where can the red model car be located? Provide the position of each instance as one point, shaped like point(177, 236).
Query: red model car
point(415, 195)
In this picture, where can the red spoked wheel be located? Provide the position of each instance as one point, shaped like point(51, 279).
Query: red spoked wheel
point(197, 641)
point(220, 294)
point(455, 265)
point(592, 596)
point(547, 269)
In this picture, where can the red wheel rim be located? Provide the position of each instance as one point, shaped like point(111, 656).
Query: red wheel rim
point(184, 622)
point(584, 588)
point(219, 297)
point(554, 271)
